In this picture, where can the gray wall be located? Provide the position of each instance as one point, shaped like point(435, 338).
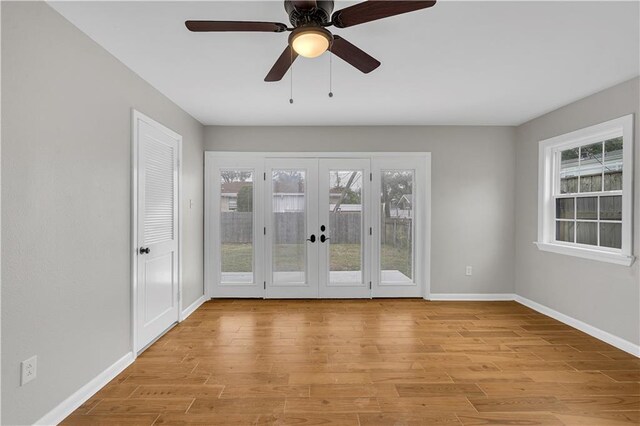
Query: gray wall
point(473, 182)
point(603, 295)
point(66, 106)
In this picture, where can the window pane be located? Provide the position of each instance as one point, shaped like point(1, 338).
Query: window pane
point(613, 164)
point(396, 227)
point(587, 233)
point(587, 208)
point(345, 226)
point(611, 208)
point(564, 231)
point(569, 171)
point(591, 167)
point(611, 235)
point(565, 208)
point(236, 226)
point(290, 240)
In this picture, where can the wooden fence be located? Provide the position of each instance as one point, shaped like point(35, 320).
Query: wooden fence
point(345, 228)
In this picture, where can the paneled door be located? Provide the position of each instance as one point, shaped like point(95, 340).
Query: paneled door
point(291, 228)
point(345, 231)
point(157, 283)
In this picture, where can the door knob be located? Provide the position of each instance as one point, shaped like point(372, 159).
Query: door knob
point(323, 238)
point(312, 238)
point(144, 250)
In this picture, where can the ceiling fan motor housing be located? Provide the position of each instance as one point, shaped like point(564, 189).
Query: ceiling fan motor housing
point(320, 14)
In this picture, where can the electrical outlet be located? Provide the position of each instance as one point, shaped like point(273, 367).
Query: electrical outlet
point(468, 271)
point(28, 370)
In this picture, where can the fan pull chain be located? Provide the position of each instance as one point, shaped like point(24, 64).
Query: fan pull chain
point(291, 79)
point(330, 75)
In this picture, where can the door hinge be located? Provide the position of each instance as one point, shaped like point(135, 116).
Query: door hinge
point(265, 230)
point(264, 176)
point(370, 231)
point(369, 285)
point(265, 285)
point(370, 177)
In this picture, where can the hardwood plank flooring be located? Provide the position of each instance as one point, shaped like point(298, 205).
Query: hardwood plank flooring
point(371, 362)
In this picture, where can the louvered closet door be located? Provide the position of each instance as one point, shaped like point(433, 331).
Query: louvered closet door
point(157, 290)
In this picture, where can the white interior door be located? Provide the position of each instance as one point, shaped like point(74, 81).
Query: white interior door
point(344, 251)
point(291, 243)
point(157, 284)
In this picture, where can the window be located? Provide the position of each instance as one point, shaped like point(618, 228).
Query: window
point(585, 192)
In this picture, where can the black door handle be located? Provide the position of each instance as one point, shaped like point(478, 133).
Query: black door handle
point(312, 238)
point(144, 250)
point(323, 238)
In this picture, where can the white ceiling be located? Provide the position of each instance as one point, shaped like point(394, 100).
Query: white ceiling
point(471, 63)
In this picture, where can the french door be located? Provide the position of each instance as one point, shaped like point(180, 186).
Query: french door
point(317, 225)
point(305, 227)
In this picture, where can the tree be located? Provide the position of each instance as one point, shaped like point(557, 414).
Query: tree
point(395, 184)
point(245, 199)
point(235, 176)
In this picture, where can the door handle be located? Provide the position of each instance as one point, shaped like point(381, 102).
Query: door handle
point(323, 238)
point(144, 250)
point(312, 238)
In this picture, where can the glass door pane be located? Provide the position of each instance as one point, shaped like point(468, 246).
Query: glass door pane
point(396, 226)
point(234, 243)
point(289, 225)
point(399, 233)
point(236, 226)
point(345, 226)
point(292, 219)
point(343, 253)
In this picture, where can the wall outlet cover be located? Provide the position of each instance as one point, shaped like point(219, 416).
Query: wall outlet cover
point(468, 271)
point(28, 370)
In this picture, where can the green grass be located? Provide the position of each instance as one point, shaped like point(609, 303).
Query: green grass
point(290, 257)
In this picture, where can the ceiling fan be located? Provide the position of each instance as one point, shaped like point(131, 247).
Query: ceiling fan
point(309, 35)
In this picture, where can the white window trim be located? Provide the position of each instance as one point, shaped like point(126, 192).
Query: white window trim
point(547, 178)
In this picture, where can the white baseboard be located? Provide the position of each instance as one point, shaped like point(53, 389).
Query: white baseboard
point(605, 336)
point(191, 308)
point(471, 296)
point(69, 405)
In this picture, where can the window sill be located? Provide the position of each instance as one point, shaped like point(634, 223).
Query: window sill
point(602, 256)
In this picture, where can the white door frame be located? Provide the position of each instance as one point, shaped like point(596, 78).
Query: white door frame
point(355, 290)
point(424, 157)
point(137, 116)
point(308, 288)
point(254, 289)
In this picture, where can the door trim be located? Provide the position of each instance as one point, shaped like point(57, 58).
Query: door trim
point(425, 158)
point(137, 116)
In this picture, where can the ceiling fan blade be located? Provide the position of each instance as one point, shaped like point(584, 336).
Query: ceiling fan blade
point(282, 65)
point(207, 26)
point(304, 4)
point(353, 55)
point(376, 9)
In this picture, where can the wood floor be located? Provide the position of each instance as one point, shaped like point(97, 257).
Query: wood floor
point(371, 362)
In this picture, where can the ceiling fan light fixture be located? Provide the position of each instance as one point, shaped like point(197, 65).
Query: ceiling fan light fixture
point(310, 42)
